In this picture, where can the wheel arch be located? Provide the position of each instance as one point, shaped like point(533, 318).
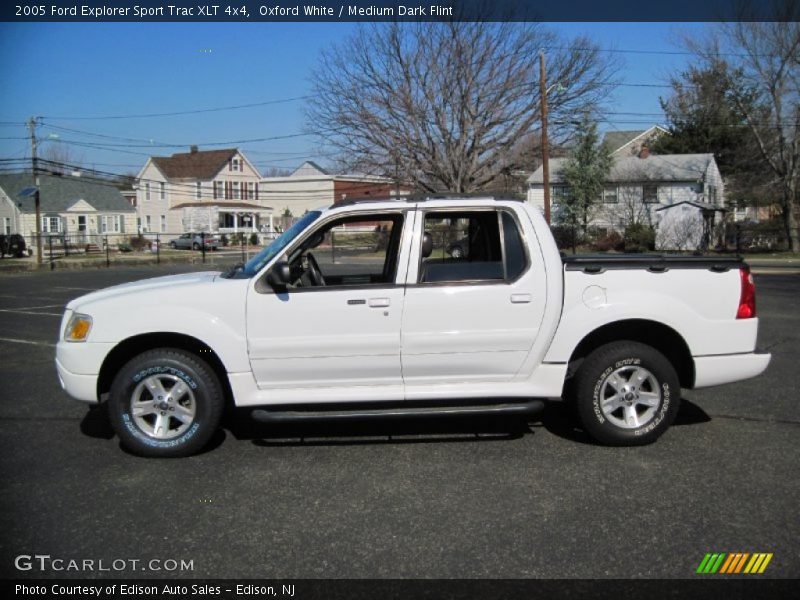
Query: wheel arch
point(135, 345)
point(652, 333)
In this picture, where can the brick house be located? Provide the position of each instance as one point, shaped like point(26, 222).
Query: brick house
point(310, 186)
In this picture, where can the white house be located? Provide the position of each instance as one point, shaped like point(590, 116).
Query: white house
point(211, 190)
point(680, 195)
point(70, 205)
point(310, 186)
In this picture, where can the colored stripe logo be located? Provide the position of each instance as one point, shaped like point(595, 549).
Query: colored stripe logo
point(734, 562)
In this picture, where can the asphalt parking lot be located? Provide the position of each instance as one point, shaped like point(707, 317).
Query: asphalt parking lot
point(465, 498)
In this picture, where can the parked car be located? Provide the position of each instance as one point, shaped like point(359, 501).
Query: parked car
point(303, 332)
point(194, 241)
point(13, 245)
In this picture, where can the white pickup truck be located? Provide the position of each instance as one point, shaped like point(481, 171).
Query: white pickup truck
point(364, 309)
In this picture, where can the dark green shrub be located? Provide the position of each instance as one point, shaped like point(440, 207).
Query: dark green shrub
point(639, 238)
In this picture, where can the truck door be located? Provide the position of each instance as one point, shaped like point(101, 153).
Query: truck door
point(475, 298)
point(338, 323)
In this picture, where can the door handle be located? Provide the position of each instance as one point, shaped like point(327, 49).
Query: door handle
point(379, 302)
point(521, 298)
point(356, 301)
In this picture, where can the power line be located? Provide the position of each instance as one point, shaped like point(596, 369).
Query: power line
point(177, 113)
point(659, 52)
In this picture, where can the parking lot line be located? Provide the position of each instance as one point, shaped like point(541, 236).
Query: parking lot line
point(31, 342)
point(36, 307)
point(30, 312)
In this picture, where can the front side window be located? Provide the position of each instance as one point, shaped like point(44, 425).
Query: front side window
point(279, 244)
point(147, 191)
point(163, 223)
point(162, 190)
point(198, 190)
point(471, 246)
point(349, 251)
point(7, 225)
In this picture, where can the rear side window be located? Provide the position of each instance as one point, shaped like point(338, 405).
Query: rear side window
point(471, 246)
point(516, 259)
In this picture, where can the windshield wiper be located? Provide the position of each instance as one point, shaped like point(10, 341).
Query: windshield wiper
point(232, 271)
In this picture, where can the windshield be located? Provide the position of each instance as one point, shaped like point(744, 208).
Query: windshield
point(255, 264)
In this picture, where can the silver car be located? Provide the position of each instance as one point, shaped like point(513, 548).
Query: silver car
point(194, 241)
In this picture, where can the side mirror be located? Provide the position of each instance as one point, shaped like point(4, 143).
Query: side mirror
point(280, 275)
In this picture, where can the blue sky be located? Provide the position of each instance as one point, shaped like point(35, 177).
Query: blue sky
point(66, 70)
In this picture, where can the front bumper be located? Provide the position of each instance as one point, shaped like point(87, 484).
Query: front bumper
point(80, 387)
point(715, 370)
point(78, 366)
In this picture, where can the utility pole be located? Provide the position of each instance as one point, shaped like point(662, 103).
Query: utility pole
point(34, 166)
point(545, 147)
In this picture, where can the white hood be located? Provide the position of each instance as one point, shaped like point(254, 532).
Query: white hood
point(176, 283)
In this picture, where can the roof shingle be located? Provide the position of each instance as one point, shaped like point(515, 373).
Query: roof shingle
point(59, 193)
point(656, 167)
point(203, 164)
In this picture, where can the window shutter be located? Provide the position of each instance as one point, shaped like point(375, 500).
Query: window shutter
point(257, 198)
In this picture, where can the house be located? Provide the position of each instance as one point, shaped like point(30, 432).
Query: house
point(216, 191)
point(680, 195)
point(630, 143)
point(71, 205)
point(310, 186)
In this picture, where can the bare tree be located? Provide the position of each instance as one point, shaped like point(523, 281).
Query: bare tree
point(681, 232)
point(61, 159)
point(629, 209)
point(762, 62)
point(444, 105)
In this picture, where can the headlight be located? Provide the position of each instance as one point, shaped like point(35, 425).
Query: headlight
point(78, 328)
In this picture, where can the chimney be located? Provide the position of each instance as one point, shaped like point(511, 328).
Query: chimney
point(193, 149)
point(644, 152)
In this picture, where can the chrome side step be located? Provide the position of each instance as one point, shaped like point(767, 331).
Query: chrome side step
point(357, 413)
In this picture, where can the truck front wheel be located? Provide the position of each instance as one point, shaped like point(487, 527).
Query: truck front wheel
point(165, 403)
point(627, 394)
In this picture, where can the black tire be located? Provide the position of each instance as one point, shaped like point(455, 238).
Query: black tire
point(203, 398)
point(195, 246)
point(637, 382)
point(173, 245)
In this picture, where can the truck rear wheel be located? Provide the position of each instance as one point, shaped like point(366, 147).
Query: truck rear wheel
point(627, 394)
point(165, 403)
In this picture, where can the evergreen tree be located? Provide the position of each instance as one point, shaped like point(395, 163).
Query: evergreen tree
point(584, 172)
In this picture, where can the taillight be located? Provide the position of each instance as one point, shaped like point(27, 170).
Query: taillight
point(747, 299)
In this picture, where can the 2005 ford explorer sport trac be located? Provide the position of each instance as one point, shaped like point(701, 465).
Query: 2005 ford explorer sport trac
point(363, 309)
